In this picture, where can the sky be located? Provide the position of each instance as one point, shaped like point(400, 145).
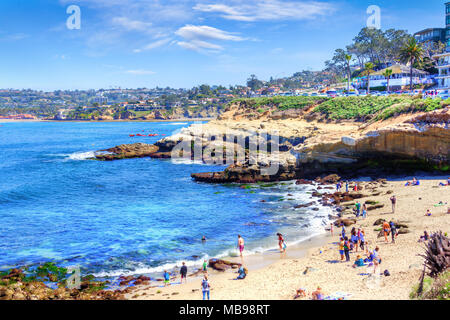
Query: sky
point(183, 43)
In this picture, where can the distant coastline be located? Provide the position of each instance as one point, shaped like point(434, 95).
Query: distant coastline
point(106, 121)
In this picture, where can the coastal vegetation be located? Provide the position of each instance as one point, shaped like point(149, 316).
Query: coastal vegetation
point(348, 108)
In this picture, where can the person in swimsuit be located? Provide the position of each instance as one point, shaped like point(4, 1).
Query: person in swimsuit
point(240, 244)
point(386, 230)
point(318, 295)
point(281, 242)
point(341, 248)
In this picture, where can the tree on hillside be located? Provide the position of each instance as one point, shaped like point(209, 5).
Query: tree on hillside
point(387, 74)
point(348, 58)
point(368, 69)
point(254, 83)
point(412, 52)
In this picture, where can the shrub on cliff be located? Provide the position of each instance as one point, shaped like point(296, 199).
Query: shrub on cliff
point(279, 102)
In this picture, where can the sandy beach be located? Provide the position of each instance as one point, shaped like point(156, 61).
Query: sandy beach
point(276, 276)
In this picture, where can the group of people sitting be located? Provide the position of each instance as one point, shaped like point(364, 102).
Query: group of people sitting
point(443, 184)
point(315, 295)
point(414, 182)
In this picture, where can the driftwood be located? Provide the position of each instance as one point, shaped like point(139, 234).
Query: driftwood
point(437, 254)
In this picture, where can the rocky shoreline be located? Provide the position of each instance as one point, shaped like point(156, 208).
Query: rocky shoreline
point(307, 148)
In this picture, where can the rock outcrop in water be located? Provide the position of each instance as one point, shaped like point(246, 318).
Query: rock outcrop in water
point(127, 151)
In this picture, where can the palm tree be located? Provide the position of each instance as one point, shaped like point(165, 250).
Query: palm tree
point(369, 66)
point(348, 58)
point(387, 74)
point(412, 52)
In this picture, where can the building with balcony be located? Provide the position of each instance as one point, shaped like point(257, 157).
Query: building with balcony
point(443, 60)
point(431, 35)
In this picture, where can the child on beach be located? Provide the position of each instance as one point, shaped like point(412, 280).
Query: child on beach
point(205, 266)
point(205, 287)
point(341, 248)
point(428, 214)
point(359, 262)
point(242, 273)
point(240, 244)
point(166, 278)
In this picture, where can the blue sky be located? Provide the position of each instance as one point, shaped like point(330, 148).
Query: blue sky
point(183, 43)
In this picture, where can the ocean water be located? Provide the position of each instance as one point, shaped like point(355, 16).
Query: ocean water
point(136, 216)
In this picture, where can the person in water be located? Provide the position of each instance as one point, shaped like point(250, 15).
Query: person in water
point(183, 273)
point(240, 244)
point(281, 242)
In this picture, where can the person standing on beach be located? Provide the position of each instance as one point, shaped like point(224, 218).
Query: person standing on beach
point(394, 202)
point(183, 273)
point(240, 244)
point(346, 186)
point(331, 229)
point(364, 211)
point(393, 230)
point(386, 230)
point(358, 208)
point(347, 249)
point(205, 266)
point(166, 278)
point(281, 243)
point(205, 287)
point(341, 248)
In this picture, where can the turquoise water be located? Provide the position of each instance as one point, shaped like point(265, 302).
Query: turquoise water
point(132, 216)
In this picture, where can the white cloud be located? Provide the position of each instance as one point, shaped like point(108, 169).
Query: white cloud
point(198, 38)
point(131, 25)
point(205, 32)
point(268, 10)
point(153, 45)
point(198, 45)
point(140, 72)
